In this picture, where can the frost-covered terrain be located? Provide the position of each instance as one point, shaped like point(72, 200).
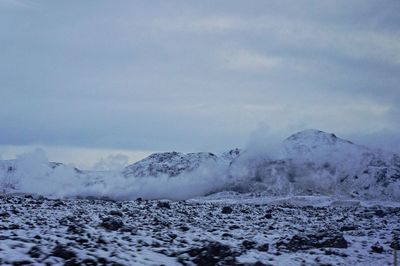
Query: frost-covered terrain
point(321, 201)
point(215, 230)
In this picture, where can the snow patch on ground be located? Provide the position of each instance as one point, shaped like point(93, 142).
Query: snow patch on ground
point(204, 231)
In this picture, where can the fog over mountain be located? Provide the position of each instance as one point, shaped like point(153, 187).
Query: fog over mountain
point(311, 162)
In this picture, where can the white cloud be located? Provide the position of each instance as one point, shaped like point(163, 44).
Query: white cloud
point(112, 162)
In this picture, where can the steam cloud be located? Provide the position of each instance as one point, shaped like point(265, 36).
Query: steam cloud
point(324, 169)
point(32, 173)
point(114, 162)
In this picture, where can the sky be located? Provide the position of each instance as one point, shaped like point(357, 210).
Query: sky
point(86, 80)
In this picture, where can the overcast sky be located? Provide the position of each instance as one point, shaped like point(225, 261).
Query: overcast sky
point(91, 77)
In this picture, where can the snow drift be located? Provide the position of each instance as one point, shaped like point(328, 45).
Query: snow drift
point(311, 162)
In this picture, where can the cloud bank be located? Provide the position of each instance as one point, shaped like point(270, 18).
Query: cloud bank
point(196, 76)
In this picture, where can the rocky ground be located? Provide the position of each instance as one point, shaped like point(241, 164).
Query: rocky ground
point(37, 230)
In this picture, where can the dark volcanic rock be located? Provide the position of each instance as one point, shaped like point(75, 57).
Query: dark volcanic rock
point(377, 248)
point(4, 215)
point(88, 262)
point(62, 252)
point(58, 203)
point(227, 210)
point(380, 213)
point(184, 228)
point(268, 215)
point(323, 240)
point(75, 229)
point(102, 261)
point(263, 247)
point(22, 262)
point(214, 253)
point(163, 204)
point(112, 223)
point(13, 226)
point(35, 252)
point(348, 228)
point(248, 244)
point(395, 244)
point(116, 213)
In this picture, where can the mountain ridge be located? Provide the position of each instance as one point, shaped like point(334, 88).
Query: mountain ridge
point(313, 163)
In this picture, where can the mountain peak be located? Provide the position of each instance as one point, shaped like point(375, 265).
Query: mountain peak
point(306, 141)
point(316, 137)
point(311, 133)
point(169, 163)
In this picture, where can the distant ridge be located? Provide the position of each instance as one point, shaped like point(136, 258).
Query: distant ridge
point(313, 162)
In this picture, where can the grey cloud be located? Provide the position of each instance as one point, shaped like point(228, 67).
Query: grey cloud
point(195, 75)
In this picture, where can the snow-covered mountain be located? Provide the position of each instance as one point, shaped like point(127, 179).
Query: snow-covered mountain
point(349, 168)
point(169, 163)
point(316, 162)
point(231, 155)
point(310, 141)
point(175, 163)
point(312, 162)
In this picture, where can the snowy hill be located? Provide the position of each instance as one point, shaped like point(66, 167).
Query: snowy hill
point(351, 169)
point(231, 155)
point(169, 163)
point(313, 162)
point(310, 141)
